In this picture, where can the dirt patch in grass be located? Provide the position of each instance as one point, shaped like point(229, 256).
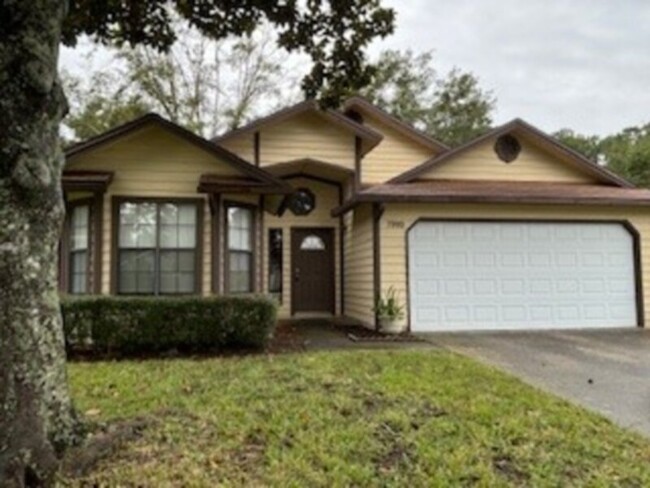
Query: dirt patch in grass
point(103, 442)
point(505, 466)
point(398, 453)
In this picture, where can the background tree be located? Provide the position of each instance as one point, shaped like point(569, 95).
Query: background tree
point(37, 421)
point(206, 85)
point(588, 146)
point(452, 108)
point(99, 105)
point(626, 152)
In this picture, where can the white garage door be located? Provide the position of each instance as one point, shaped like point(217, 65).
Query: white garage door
point(512, 275)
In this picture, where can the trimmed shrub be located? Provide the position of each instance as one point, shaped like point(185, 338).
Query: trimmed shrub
point(121, 325)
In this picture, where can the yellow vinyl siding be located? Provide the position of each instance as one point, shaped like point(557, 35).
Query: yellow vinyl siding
point(359, 283)
point(398, 218)
point(327, 197)
point(482, 163)
point(242, 145)
point(307, 136)
point(395, 154)
point(152, 162)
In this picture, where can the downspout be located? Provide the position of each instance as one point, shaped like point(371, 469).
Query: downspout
point(377, 212)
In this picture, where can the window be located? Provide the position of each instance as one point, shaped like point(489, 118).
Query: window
point(240, 249)
point(312, 243)
point(275, 263)
point(157, 248)
point(78, 246)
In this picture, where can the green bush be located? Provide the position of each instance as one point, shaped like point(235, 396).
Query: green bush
point(120, 325)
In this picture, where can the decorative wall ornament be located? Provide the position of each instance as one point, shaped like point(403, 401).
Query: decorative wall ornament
point(302, 202)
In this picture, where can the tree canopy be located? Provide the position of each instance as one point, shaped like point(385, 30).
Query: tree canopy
point(626, 152)
point(333, 34)
point(453, 108)
point(208, 86)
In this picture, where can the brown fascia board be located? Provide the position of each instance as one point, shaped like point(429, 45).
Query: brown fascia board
point(528, 200)
point(213, 183)
point(94, 181)
point(371, 136)
point(404, 128)
point(513, 126)
point(317, 163)
point(152, 118)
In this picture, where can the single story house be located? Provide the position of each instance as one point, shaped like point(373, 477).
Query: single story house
point(327, 209)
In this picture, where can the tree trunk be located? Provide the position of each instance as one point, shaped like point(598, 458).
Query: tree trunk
point(37, 420)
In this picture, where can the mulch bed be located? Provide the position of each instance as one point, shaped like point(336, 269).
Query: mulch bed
point(363, 334)
point(286, 338)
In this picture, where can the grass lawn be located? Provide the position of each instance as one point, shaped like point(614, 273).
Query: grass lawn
point(404, 418)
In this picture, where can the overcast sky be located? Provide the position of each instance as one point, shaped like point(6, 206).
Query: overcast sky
point(583, 64)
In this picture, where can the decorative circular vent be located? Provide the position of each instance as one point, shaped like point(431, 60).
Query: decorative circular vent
point(507, 148)
point(302, 202)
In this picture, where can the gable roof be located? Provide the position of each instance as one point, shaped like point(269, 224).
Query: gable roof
point(407, 130)
point(369, 137)
point(152, 118)
point(519, 126)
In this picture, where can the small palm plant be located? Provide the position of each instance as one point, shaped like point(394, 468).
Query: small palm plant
point(389, 311)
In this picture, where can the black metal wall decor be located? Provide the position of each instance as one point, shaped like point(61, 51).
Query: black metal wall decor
point(302, 202)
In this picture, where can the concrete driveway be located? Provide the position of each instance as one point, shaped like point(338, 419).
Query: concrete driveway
point(606, 371)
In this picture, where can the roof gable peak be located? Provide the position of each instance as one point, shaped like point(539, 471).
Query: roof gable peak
point(357, 102)
point(370, 138)
point(539, 138)
point(116, 133)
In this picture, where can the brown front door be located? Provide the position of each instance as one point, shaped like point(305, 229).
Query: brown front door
point(312, 270)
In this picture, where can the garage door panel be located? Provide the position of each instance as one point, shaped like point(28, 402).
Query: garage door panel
point(511, 275)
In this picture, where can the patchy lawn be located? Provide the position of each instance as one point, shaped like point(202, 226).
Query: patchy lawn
point(358, 418)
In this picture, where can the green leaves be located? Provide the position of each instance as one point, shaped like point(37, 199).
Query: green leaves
point(132, 326)
point(451, 108)
point(388, 306)
point(332, 33)
point(626, 153)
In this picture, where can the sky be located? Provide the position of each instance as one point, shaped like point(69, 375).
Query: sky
point(579, 64)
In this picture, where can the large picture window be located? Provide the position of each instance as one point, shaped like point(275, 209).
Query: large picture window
point(240, 222)
point(157, 248)
point(78, 244)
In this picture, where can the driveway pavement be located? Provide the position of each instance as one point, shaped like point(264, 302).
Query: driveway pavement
point(606, 371)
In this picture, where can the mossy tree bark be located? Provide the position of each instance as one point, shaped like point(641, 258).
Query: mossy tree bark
point(37, 420)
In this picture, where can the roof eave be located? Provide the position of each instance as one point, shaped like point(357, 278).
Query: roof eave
point(497, 199)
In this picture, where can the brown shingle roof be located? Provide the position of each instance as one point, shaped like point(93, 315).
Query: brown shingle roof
point(483, 191)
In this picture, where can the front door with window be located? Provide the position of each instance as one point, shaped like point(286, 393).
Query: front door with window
point(312, 270)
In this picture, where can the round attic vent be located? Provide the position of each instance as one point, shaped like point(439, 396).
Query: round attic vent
point(507, 148)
